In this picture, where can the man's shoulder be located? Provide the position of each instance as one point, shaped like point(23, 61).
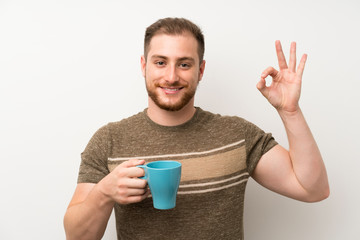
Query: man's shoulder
point(123, 124)
point(218, 118)
point(126, 121)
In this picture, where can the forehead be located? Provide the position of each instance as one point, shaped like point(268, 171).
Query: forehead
point(178, 46)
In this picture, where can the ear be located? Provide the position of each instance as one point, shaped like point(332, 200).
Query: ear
point(201, 70)
point(143, 65)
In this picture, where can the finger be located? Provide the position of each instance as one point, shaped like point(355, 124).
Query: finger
point(132, 163)
point(135, 172)
point(136, 198)
point(301, 66)
point(129, 169)
point(280, 55)
point(261, 86)
point(269, 71)
point(136, 191)
point(135, 183)
point(292, 60)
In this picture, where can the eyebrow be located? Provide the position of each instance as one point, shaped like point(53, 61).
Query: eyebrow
point(158, 56)
point(187, 59)
point(179, 59)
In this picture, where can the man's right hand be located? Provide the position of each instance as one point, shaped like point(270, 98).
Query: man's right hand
point(123, 184)
point(92, 204)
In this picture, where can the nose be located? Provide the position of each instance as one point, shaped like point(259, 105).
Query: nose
point(171, 74)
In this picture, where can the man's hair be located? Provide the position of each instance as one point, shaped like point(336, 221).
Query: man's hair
point(174, 26)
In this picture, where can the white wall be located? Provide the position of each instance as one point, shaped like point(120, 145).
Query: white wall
point(68, 67)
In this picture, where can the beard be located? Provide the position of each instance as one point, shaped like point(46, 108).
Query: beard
point(189, 93)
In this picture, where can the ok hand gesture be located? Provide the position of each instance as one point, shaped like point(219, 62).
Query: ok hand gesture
point(284, 91)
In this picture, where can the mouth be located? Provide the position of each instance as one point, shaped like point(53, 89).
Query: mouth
point(171, 90)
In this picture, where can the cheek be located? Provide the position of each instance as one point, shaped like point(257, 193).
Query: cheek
point(153, 73)
point(193, 78)
point(188, 75)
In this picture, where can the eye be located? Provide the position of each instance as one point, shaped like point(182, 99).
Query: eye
point(184, 65)
point(160, 63)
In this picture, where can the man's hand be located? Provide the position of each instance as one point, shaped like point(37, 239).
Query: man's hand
point(299, 172)
point(92, 204)
point(284, 91)
point(123, 185)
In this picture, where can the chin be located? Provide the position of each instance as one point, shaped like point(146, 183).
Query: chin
point(171, 104)
point(171, 107)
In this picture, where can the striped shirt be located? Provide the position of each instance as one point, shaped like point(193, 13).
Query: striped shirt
point(218, 154)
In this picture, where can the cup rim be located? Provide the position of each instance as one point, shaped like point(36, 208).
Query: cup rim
point(176, 164)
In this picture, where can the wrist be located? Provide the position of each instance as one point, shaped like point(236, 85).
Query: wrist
point(103, 198)
point(285, 114)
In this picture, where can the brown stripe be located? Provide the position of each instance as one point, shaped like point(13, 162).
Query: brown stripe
point(207, 167)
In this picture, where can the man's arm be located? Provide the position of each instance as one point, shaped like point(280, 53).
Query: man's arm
point(300, 172)
point(91, 205)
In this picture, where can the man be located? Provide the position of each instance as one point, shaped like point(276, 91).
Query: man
point(218, 153)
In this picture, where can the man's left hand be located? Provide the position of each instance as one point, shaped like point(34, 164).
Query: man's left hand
point(284, 91)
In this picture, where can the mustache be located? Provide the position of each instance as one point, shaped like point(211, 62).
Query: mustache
point(170, 85)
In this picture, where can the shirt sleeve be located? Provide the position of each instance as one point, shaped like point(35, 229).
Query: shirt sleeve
point(257, 144)
point(93, 165)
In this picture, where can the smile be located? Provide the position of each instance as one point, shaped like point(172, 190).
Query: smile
point(171, 90)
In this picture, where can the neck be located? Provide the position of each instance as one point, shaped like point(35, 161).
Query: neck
point(170, 118)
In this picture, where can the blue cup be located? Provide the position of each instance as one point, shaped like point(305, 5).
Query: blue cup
point(163, 178)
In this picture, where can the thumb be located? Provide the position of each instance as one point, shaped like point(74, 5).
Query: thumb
point(261, 86)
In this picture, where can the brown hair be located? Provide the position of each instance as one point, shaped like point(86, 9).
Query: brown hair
point(174, 26)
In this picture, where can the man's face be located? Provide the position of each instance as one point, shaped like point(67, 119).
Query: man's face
point(172, 70)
